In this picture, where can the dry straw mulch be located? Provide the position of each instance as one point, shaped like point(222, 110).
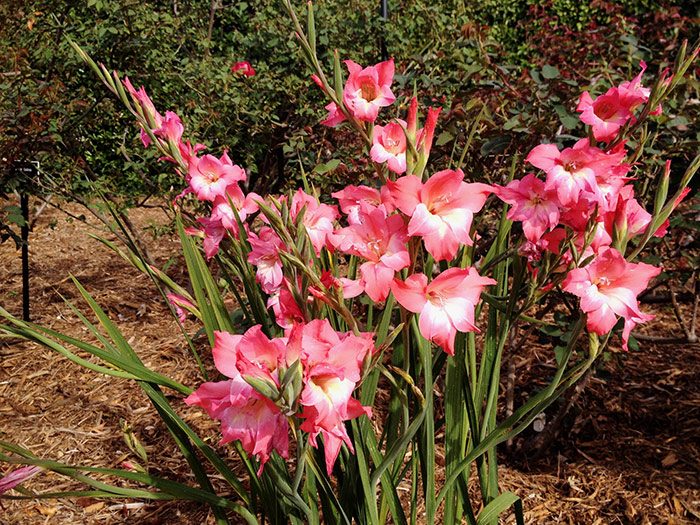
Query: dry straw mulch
point(631, 455)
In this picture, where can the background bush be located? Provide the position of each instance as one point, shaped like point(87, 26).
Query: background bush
point(523, 61)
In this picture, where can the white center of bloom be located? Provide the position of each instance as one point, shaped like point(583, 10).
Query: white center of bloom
point(436, 299)
point(603, 281)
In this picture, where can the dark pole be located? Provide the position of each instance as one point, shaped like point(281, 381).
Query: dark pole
point(24, 204)
point(384, 11)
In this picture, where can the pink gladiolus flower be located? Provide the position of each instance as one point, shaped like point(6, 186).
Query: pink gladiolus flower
point(608, 287)
point(189, 156)
point(318, 219)
point(245, 414)
point(171, 129)
point(286, 310)
point(154, 119)
point(628, 215)
point(608, 112)
point(445, 305)
point(181, 305)
point(17, 477)
point(210, 177)
point(382, 241)
point(332, 363)
point(245, 205)
point(351, 287)
point(351, 198)
point(244, 69)
point(335, 116)
point(574, 170)
point(606, 115)
point(368, 89)
point(389, 145)
point(532, 250)
point(537, 208)
point(250, 354)
point(441, 210)
point(632, 94)
point(425, 136)
point(213, 232)
point(265, 256)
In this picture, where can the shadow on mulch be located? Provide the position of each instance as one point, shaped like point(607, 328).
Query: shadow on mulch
point(629, 451)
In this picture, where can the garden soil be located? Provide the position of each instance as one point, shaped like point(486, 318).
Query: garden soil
point(628, 452)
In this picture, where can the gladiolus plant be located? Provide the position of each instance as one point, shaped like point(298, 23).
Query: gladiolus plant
point(387, 286)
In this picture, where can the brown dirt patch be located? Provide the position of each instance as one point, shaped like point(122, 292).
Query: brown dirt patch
point(631, 455)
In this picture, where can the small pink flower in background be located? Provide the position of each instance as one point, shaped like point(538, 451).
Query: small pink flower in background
point(368, 89)
point(608, 287)
point(318, 219)
point(441, 210)
point(608, 112)
point(182, 306)
point(155, 120)
point(171, 129)
point(265, 256)
point(17, 477)
point(245, 205)
point(335, 116)
point(445, 305)
point(389, 145)
point(244, 69)
point(210, 177)
point(537, 208)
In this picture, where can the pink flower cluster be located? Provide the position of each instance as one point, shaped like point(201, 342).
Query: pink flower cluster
point(583, 200)
point(585, 191)
point(366, 91)
point(211, 179)
point(320, 394)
